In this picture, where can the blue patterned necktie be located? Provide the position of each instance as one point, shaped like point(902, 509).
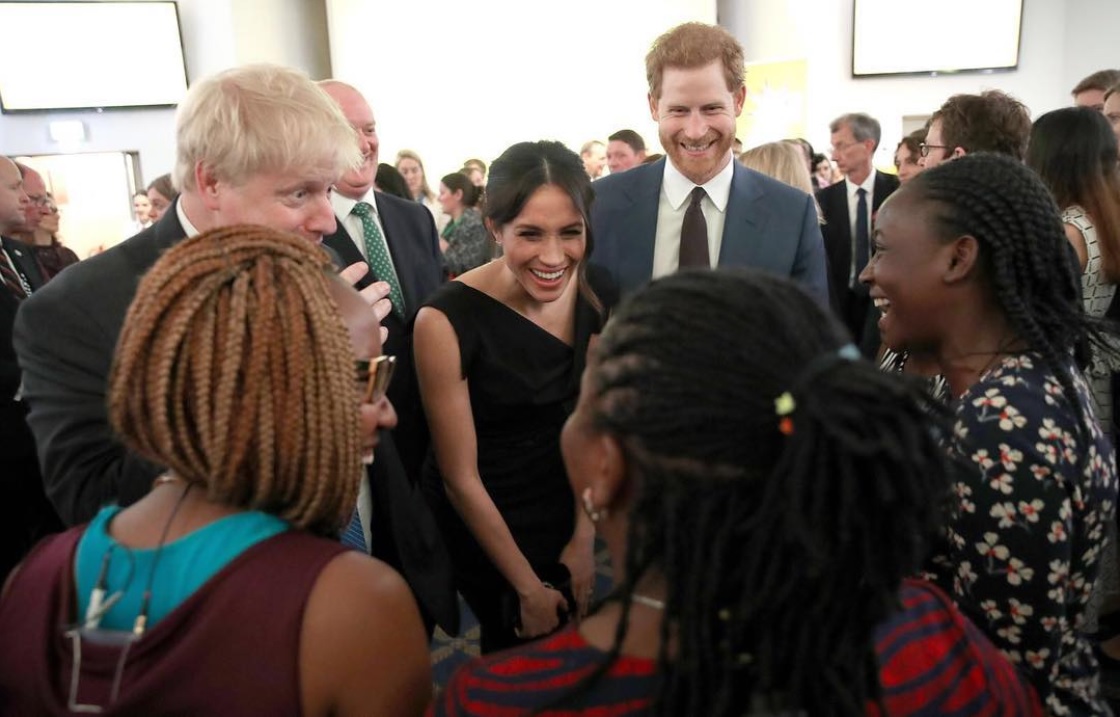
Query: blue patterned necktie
point(377, 254)
point(353, 536)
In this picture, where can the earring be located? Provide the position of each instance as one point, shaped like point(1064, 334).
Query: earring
point(589, 508)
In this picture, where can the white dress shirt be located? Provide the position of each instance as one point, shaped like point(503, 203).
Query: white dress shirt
point(671, 206)
point(343, 211)
point(853, 207)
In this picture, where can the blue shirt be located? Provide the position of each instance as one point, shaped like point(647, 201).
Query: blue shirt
point(184, 564)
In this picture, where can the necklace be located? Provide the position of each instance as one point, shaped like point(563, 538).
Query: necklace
point(647, 601)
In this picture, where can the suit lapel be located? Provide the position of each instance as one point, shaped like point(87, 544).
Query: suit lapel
point(24, 258)
point(745, 223)
point(396, 236)
point(643, 196)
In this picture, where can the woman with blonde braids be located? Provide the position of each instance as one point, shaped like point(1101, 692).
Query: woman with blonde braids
point(225, 589)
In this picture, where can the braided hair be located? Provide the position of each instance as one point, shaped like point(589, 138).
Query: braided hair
point(234, 369)
point(1026, 259)
point(781, 545)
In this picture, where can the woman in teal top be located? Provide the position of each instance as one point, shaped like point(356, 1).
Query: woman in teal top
point(464, 242)
point(235, 369)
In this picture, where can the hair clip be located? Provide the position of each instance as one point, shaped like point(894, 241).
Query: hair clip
point(784, 406)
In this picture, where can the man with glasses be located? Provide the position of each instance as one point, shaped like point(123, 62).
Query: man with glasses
point(992, 121)
point(848, 208)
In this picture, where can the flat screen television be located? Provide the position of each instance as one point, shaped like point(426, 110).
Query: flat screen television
point(912, 37)
point(90, 55)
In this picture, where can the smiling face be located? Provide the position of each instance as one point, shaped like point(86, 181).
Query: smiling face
point(695, 117)
point(905, 274)
point(543, 246)
point(365, 338)
point(296, 201)
point(356, 182)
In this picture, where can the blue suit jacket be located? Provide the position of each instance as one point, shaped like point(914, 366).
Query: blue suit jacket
point(769, 226)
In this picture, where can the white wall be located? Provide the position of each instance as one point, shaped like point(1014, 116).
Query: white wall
point(454, 80)
point(217, 34)
point(1061, 42)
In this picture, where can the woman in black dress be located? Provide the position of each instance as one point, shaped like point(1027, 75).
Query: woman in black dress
point(499, 353)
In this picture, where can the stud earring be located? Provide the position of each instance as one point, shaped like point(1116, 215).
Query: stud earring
point(589, 508)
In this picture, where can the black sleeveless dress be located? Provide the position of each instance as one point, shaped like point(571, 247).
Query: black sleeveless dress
point(523, 384)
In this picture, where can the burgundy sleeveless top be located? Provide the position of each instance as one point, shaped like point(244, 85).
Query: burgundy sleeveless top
point(232, 648)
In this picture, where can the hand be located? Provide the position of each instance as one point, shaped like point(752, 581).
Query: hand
point(579, 557)
point(540, 611)
point(376, 294)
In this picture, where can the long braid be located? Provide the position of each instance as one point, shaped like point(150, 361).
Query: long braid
point(234, 370)
point(780, 553)
point(1032, 269)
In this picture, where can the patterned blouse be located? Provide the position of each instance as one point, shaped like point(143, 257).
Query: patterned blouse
point(1022, 549)
point(468, 245)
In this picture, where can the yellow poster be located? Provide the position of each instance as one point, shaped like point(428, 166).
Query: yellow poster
point(775, 104)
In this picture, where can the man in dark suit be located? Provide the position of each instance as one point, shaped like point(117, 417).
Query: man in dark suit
point(698, 208)
point(276, 171)
point(848, 208)
point(397, 240)
point(25, 513)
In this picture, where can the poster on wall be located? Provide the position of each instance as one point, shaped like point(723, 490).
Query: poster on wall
point(775, 107)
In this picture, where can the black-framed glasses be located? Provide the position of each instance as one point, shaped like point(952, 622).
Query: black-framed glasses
point(376, 375)
point(924, 148)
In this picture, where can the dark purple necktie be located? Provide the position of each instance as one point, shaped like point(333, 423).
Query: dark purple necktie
point(694, 235)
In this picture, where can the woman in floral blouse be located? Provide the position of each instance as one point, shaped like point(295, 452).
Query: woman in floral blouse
point(972, 267)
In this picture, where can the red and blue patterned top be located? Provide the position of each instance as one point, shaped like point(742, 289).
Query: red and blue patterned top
point(933, 661)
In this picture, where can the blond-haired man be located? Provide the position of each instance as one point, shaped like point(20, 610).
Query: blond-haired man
point(258, 144)
point(698, 208)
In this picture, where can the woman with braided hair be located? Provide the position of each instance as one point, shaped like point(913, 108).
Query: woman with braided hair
point(225, 590)
point(972, 267)
point(764, 495)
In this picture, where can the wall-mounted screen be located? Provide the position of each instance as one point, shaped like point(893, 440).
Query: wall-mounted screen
point(917, 37)
point(90, 55)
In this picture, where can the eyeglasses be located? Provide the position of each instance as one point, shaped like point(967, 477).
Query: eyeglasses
point(376, 375)
point(925, 148)
point(40, 201)
point(842, 146)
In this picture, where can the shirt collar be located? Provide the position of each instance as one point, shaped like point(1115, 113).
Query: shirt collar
point(868, 184)
point(344, 205)
point(189, 229)
point(678, 187)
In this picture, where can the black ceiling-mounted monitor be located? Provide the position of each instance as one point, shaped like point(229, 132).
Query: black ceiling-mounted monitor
point(90, 55)
point(908, 37)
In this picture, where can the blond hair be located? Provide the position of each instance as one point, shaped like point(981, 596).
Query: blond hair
point(694, 45)
point(235, 370)
point(260, 118)
point(785, 162)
